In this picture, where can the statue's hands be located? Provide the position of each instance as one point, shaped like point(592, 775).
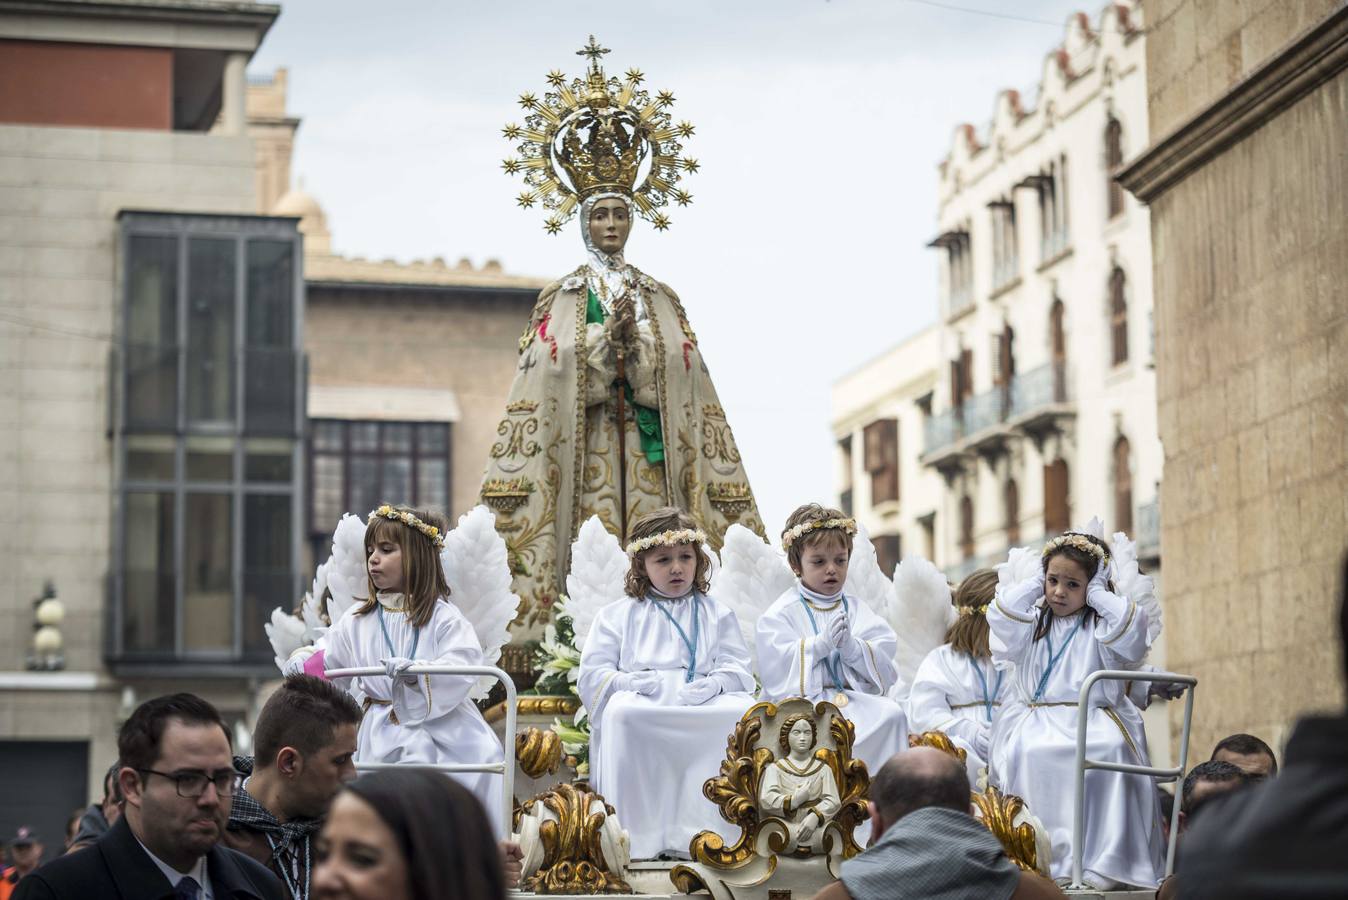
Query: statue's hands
point(815, 790)
point(622, 325)
point(799, 796)
point(806, 830)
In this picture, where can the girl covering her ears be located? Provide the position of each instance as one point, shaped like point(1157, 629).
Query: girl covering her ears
point(665, 677)
point(1049, 633)
point(818, 643)
point(409, 619)
point(957, 689)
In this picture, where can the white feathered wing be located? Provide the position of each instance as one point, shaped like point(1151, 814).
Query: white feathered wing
point(286, 633)
point(865, 581)
point(478, 574)
point(347, 579)
point(920, 612)
point(1131, 583)
point(598, 569)
point(753, 575)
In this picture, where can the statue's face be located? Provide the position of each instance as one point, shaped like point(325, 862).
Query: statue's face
point(801, 737)
point(610, 224)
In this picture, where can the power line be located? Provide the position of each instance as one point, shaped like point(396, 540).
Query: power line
point(55, 329)
point(955, 7)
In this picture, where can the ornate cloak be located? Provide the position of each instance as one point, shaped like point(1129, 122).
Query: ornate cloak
point(555, 461)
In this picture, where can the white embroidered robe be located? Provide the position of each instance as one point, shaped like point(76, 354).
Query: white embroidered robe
point(948, 695)
point(431, 719)
point(649, 755)
point(789, 666)
point(1033, 747)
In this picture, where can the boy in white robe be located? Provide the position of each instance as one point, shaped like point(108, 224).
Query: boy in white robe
point(957, 689)
point(1050, 632)
point(665, 678)
point(815, 642)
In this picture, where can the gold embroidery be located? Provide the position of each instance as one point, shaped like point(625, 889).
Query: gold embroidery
point(730, 498)
point(1127, 738)
point(802, 667)
point(1013, 616)
point(506, 495)
point(975, 703)
point(517, 434)
point(1132, 611)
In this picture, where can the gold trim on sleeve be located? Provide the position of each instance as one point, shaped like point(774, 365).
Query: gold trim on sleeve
point(802, 667)
point(1127, 623)
point(1013, 616)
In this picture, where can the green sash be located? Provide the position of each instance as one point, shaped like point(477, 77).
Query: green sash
point(648, 420)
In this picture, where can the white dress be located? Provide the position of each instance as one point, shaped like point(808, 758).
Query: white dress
point(431, 720)
point(959, 695)
point(789, 667)
point(650, 755)
point(1033, 748)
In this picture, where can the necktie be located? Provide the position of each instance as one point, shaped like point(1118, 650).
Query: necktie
point(187, 889)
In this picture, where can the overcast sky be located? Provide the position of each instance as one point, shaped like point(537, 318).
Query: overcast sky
point(819, 129)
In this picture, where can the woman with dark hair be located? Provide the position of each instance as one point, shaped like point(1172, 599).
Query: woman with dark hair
point(406, 835)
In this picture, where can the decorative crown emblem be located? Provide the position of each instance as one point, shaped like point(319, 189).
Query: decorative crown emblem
point(602, 131)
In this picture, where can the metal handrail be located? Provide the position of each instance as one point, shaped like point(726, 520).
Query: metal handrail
point(1175, 773)
point(505, 768)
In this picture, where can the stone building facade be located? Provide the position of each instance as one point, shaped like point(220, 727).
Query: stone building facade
point(1247, 184)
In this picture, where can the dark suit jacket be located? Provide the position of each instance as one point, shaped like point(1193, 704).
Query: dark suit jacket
point(116, 868)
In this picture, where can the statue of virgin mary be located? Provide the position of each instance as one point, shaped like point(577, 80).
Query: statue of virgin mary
point(612, 412)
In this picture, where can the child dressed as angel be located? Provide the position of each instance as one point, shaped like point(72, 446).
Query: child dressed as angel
point(1049, 631)
point(409, 619)
point(817, 642)
point(798, 788)
point(665, 677)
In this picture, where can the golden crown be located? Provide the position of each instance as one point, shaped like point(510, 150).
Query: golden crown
point(600, 130)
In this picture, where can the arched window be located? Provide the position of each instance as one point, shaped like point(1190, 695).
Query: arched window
point(1057, 499)
point(1123, 486)
point(1012, 495)
point(966, 527)
point(1113, 160)
point(1118, 317)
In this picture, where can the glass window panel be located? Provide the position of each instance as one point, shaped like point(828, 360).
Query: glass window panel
point(269, 390)
point(432, 437)
point(268, 580)
point(433, 483)
point(150, 457)
point(208, 578)
point(268, 460)
point(327, 493)
point(365, 489)
point(397, 437)
point(210, 330)
point(364, 436)
point(148, 568)
point(210, 459)
point(151, 348)
point(397, 480)
point(271, 293)
point(327, 435)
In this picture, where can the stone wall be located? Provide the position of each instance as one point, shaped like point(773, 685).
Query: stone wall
point(1250, 260)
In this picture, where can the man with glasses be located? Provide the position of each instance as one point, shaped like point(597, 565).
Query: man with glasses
point(179, 780)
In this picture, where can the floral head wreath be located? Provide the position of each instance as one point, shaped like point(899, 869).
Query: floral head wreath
point(667, 539)
point(804, 528)
point(974, 610)
point(411, 521)
point(1077, 542)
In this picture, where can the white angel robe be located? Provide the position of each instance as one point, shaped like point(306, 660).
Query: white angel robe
point(789, 667)
point(781, 780)
point(959, 695)
point(1033, 749)
point(649, 755)
point(431, 720)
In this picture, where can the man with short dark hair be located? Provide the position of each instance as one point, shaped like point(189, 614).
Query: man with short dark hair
point(304, 743)
point(178, 780)
point(926, 842)
point(1205, 781)
point(1253, 756)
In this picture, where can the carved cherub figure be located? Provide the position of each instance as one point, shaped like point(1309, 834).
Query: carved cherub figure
point(798, 788)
